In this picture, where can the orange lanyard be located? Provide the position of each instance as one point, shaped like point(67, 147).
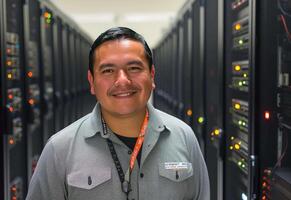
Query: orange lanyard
point(139, 141)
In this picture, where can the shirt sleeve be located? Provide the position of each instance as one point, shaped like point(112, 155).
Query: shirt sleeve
point(202, 187)
point(48, 180)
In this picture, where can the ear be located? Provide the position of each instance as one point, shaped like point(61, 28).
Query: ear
point(153, 71)
point(91, 82)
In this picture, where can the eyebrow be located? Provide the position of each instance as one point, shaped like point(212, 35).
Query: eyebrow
point(105, 65)
point(134, 62)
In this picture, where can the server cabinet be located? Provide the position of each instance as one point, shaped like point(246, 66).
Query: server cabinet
point(214, 97)
point(58, 75)
point(196, 40)
point(78, 78)
point(281, 173)
point(32, 84)
point(47, 87)
point(73, 74)
point(67, 76)
point(250, 122)
point(13, 138)
point(187, 91)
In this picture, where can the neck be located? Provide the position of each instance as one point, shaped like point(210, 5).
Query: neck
point(127, 126)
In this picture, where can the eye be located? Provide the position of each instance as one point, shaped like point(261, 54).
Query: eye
point(134, 68)
point(107, 71)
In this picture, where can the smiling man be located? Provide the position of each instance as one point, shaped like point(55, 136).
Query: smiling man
point(124, 149)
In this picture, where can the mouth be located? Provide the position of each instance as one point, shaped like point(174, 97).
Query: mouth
point(124, 94)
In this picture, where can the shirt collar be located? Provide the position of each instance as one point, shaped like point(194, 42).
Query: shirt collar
point(94, 125)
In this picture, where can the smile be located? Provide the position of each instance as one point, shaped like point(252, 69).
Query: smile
point(123, 94)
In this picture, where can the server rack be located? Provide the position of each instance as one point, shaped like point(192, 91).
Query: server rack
point(214, 97)
point(67, 77)
point(13, 138)
point(187, 68)
point(73, 67)
point(281, 173)
point(78, 73)
point(47, 86)
point(250, 122)
point(58, 74)
point(196, 42)
point(32, 83)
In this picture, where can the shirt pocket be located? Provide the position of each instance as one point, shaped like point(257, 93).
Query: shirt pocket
point(174, 172)
point(89, 178)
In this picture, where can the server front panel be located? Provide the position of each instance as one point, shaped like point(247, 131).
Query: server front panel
point(13, 124)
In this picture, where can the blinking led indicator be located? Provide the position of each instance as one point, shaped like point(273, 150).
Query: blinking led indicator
point(11, 141)
point(237, 67)
point(10, 96)
point(11, 109)
point(267, 115)
point(9, 76)
point(237, 26)
point(240, 41)
point(9, 63)
point(8, 50)
point(29, 74)
point(200, 120)
point(31, 101)
point(237, 146)
point(216, 132)
point(237, 106)
point(189, 112)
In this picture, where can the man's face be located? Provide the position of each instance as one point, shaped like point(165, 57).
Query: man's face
point(122, 80)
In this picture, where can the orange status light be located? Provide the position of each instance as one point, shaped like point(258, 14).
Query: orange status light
point(13, 188)
point(10, 96)
point(14, 198)
point(8, 50)
point(31, 101)
point(11, 141)
point(267, 115)
point(29, 74)
point(9, 63)
point(47, 15)
point(11, 109)
point(189, 112)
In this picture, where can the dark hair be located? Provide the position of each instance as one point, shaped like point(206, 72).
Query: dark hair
point(115, 34)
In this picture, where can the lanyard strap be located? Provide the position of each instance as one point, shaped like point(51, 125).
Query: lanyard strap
point(125, 179)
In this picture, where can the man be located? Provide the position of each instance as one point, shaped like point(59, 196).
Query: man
point(124, 149)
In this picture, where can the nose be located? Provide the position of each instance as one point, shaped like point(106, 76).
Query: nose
point(122, 78)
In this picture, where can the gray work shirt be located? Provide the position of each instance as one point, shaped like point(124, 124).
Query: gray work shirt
point(76, 163)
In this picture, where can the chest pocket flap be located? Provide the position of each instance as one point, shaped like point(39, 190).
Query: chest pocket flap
point(89, 178)
point(176, 171)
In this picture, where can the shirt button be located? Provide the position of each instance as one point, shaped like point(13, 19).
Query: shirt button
point(141, 175)
point(129, 152)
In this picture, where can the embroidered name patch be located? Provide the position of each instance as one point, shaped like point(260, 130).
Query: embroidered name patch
point(177, 165)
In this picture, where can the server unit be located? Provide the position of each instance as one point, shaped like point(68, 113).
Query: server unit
point(214, 96)
point(281, 176)
point(32, 84)
point(58, 80)
point(13, 122)
point(250, 120)
point(195, 41)
point(47, 86)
